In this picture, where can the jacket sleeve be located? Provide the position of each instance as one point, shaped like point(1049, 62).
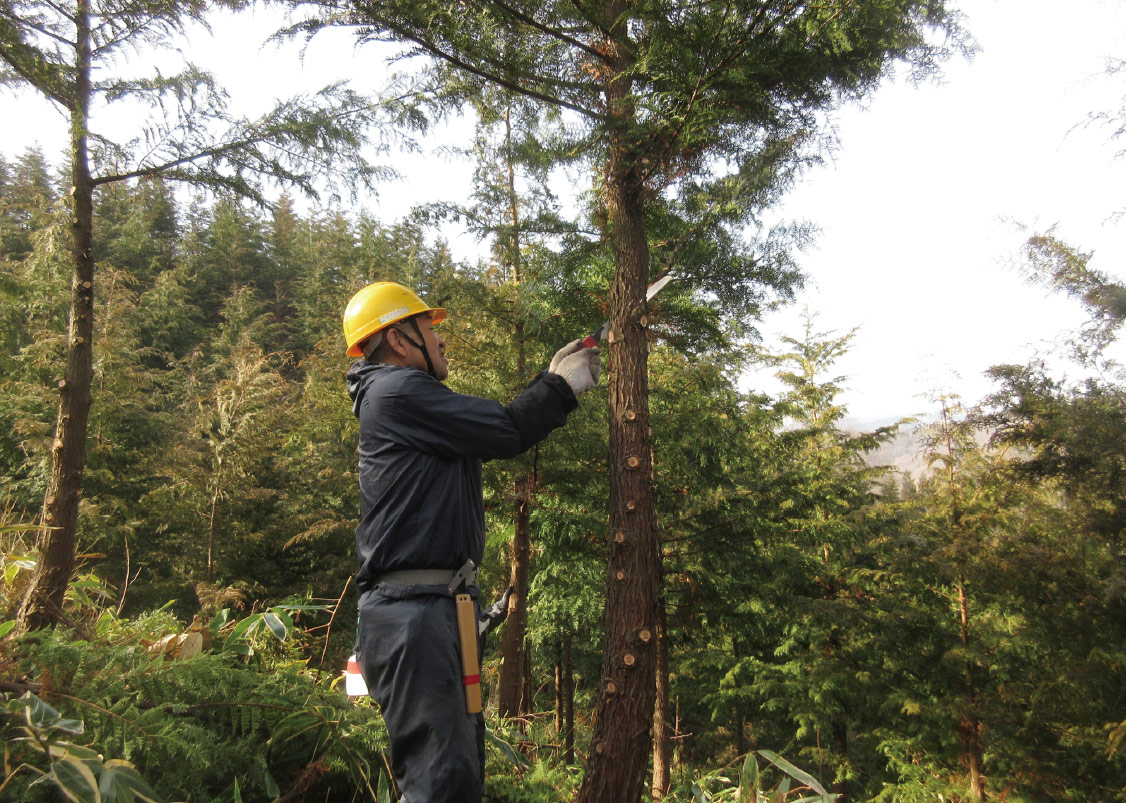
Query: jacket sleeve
point(542, 407)
point(428, 416)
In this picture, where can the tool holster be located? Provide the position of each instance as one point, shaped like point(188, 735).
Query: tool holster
point(467, 635)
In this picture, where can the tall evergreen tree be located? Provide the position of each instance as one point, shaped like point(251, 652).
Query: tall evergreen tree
point(69, 53)
point(662, 97)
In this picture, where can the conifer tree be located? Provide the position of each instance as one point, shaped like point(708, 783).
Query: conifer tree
point(71, 54)
point(659, 98)
point(512, 205)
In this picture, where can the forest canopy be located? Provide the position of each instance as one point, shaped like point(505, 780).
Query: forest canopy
point(822, 626)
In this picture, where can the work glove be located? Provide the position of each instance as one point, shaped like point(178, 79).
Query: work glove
point(491, 618)
point(578, 366)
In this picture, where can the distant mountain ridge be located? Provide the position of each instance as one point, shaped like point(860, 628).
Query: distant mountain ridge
point(903, 452)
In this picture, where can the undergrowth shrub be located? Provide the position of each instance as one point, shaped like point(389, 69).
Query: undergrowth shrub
point(540, 783)
point(215, 726)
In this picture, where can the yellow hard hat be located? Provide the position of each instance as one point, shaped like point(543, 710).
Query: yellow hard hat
point(379, 305)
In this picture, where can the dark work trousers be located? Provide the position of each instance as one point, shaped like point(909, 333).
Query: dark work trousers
point(411, 661)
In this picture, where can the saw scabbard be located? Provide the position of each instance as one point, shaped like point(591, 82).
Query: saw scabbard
point(470, 665)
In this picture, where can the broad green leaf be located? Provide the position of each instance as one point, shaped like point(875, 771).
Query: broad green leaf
point(26, 562)
point(245, 629)
point(76, 780)
point(276, 625)
point(41, 716)
point(302, 608)
point(384, 792)
point(121, 783)
point(272, 788)
point(748, 780)
point(795, 773)
point(77, 752)
point(293, 725)
point(6, 627)
point(506, 749)
point(91, 584)
point(218, 621)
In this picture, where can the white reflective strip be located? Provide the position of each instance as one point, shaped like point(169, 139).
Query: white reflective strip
point(393, 314)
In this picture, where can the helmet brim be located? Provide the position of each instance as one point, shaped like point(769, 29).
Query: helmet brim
point(437, 315)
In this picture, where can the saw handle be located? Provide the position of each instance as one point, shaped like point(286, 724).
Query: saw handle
point(592, 340)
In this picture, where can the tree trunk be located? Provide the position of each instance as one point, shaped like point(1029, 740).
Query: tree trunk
point(512, 644)
point(42, 605)
point(621, 743)
point(528, 690)
point(211, 537)
point(559, 689)
point(662, 744)
point(969, 728)
point(840, 747)
point(515, 626)
point(740, 720)
point(568, 702)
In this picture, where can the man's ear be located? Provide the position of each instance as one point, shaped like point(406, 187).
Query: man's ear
point(397, 343)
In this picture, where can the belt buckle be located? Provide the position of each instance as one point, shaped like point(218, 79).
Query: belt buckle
point(465, 576)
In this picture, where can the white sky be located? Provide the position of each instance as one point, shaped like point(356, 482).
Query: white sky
point(919, 211)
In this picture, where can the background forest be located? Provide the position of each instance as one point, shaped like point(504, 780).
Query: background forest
point(825, 626)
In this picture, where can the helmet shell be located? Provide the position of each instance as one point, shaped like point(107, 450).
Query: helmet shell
point(379, 305)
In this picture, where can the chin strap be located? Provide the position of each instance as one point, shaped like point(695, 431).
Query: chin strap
point(421, 346)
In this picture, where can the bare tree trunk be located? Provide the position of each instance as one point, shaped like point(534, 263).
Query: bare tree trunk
point(515, 627)
point(740, 720)
point(527, 690)
point(840, 747)
point(662, 744)
point(970, 726)
point(568, 702)
point(42, 605)
point(621, 743)
point(512, 643)
point(211, 537)
point(559, 689)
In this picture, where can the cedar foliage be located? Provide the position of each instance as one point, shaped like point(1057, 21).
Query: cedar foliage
point(811, 610)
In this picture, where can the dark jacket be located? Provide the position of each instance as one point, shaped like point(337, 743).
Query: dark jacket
point(420, 454)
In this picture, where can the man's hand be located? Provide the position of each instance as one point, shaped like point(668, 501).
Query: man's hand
point(578, 366)
point(566, 351)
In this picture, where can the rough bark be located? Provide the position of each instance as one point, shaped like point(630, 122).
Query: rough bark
point(662, 742)
point(568, 702)
point(42, 605)
point(622, 739)
point(512, 644)
point(559, 689)
point(970, 726)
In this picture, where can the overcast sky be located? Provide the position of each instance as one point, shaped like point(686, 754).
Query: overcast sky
point(920, 210)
